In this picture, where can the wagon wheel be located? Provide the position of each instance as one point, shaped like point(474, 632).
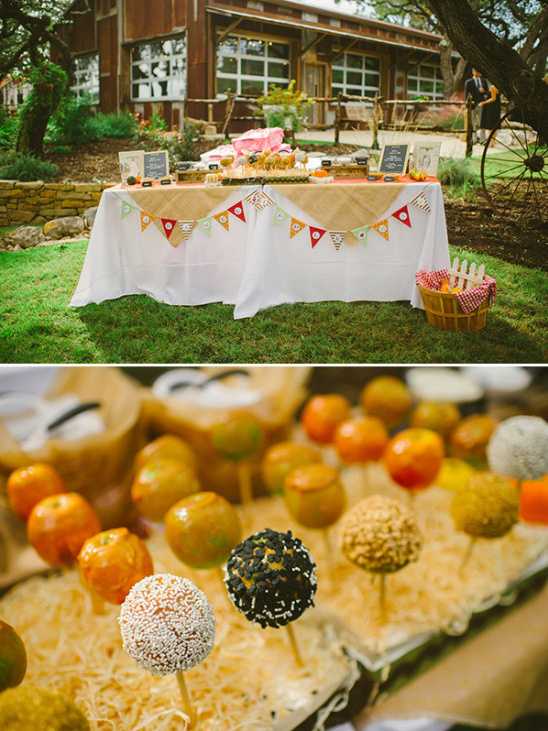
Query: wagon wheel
point(514, 172)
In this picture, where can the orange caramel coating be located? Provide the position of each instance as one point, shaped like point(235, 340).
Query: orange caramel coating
point(167, 445)
point(314, 495)
point(469, 439)
point(281, 458)
point(361, 439)
point(322, 414)
point(387, 397)
point(59, 525)
point(413, 458)
point(159, 484)
point(440, 416)
point(113, 561)
point(26, 486)
point(203, 529)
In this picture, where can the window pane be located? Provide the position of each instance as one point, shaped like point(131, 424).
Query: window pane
point(250, 86)
point(353, 61)
point(278, 50)
point(229, 45)
point(427, 86)
point(252, 47)
point(372, 63)
point(412, 84)
point(354, 90)
point(141, 71)
point(371, 80)
point(337, 76)
point(177, 88)
point(252, 68)
point(427, 71)
point(354, 77)
point(278, 70)
point(227, 64)
point(223, 85)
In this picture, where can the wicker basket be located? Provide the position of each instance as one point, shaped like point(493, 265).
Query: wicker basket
point(444, 312)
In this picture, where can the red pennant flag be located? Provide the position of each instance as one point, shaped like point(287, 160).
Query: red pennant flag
point(316, 234)
point(238, 210)
point(402, 214)
point(169, 225)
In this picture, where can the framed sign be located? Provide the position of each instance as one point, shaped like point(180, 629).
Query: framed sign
point(426, 156)
point(394, 159)
point(156, 164)
point(131, 163)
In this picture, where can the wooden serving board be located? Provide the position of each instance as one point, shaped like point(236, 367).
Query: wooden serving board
point(347, 171)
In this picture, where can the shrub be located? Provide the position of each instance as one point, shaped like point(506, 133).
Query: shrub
point(117, 125)
point(459, 176)
point(8, 130)
point(26, 168)
point(153, 135)
point(73, 123)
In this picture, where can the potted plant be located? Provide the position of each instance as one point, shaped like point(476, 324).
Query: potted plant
point(284, 107)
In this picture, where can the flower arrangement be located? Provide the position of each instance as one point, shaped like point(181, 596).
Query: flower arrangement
point(284, 107)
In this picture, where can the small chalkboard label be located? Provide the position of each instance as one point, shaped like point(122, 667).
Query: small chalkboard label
point(388, 178)
point(372, 177)
point(156, 164)
point(394, 159)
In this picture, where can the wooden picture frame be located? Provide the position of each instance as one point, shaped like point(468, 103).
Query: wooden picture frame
point(426, 157)
point(131, 164)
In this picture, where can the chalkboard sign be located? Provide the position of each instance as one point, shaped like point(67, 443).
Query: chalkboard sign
point(394, 159)
point(156, 164)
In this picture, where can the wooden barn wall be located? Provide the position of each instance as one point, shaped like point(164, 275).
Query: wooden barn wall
point(107, 42)
point(149, 18)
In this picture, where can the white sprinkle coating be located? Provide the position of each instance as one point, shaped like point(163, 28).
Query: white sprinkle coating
point(167, 624)
point(519, 448)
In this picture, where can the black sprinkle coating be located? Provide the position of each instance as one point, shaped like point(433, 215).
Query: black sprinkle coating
point(276, 595)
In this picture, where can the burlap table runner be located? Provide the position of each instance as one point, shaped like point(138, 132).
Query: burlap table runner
point(182, 203)
point(343, 206)
point(487, 682)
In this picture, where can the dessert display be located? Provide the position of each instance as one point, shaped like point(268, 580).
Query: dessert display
point(58, 527)
point(13, 657)
point(361, 439)
point(283, 457)
point(113, 561)
point(519, 448)
point(203, 529)
point(413, 458)
point(26, 486)
point(160, 483)
point(40, 709)
point(322, 414)
point(314, 495)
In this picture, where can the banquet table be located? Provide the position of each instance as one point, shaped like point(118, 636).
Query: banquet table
point(257, 246)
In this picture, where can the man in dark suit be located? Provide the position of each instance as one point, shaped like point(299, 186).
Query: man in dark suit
point(478, 88)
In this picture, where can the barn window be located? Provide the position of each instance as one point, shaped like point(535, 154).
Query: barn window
point(356, 74)
point(249, 65)
point(158, 70)
point(86, 78)
point(426, 81)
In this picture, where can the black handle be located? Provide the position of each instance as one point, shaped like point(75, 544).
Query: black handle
point(71, 413)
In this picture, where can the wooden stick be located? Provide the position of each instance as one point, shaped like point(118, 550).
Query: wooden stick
point(186, 698)
point(97, 601)
point(293, 641)
point(382, 599)
point(467, 555)
point(244, 482)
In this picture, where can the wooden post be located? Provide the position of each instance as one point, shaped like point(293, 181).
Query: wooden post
point(338, 119)
point(375, 126)
point(469, 127)
point(230, 100)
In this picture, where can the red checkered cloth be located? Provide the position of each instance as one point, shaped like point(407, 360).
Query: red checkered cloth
point(469, 299)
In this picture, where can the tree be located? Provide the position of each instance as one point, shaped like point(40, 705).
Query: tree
point(27, 37)
point(519, 26)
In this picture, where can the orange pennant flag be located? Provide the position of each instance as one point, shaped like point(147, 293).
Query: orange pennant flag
point(381, 227)
point(222, 218)
point(296, 226)
point(146, 218)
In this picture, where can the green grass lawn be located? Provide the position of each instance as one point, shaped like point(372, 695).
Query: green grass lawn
point(37, 325)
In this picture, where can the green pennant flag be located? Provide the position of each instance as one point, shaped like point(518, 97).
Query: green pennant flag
point(361, 233)
point(279, 216)
point(126, 209)
point(205, 224)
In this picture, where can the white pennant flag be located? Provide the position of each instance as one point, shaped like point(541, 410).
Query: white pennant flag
point(420, 202)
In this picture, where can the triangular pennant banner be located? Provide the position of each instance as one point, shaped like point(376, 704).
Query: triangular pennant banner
point(238, 210)
point(146, 218)
point(361, 233)
point(280, 216)
point(204, 224)
point(295, 227)
point(337, 237)
point(222, 218)
point(187, 227)
point(402, 214)
point(126, 209)
point(259, 199)
point(420, 202)
point(169, 225)
point(382, 228)
point(316, 234)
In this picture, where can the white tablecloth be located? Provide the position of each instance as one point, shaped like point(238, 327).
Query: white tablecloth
point(255, 264)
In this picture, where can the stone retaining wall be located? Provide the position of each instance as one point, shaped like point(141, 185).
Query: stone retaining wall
point(39, 202)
